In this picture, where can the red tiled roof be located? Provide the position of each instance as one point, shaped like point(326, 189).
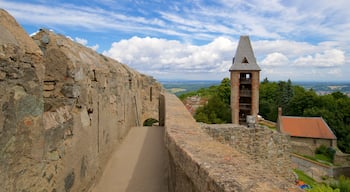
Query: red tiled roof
point(314, 127)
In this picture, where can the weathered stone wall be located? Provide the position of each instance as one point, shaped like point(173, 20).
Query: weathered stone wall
point(311, 143)
point(313, 169)
point(64, 108)
point(264, 146)
point(341, 158)
point(200, 163)
point(317, 170)
point(21, 108)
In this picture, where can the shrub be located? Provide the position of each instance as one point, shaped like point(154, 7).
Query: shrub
point(321, 150)
point(343, 184)
point(323, 188)
point(326, 151)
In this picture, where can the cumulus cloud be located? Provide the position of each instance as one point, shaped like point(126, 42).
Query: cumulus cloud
point(161, 56)
point(278, 59)
point(275, 59)
point(327, 59)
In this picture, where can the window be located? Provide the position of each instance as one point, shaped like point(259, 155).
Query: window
point(150, 93)
point(245, 60)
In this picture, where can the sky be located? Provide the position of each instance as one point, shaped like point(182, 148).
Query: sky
point(196, 40)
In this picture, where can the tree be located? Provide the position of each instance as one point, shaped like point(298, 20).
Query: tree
point(216, 111)
point(224, 91)
point(284, 94)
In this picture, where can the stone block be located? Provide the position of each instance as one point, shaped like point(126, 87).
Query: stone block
point(71, 90)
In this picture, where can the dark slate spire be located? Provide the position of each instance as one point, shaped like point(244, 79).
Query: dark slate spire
point(244, 59)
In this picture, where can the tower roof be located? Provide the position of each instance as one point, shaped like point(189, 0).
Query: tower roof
point(244, 59)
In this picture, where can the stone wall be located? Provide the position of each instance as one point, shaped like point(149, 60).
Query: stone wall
point(200, 163)
point(317, 170)
point(312, 143)
point(264, 146)
point(64, 108)
point(341, 158)
point(21, 108)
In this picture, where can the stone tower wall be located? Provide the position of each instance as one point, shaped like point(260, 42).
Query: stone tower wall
point(64, 109)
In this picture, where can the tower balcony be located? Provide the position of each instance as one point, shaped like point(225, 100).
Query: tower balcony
point(245, 106)
point(245, 93)
point(245, 81)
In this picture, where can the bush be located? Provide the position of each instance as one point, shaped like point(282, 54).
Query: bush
point(323, 188)
point(343, 184)
point(326, 151)
point(321, 150)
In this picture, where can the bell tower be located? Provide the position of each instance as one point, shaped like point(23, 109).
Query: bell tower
point(245, 80)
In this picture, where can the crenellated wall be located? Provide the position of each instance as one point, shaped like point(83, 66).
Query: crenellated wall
point(64, 109)
point(200, 163)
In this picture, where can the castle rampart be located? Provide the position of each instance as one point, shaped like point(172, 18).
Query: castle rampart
point(200, 163)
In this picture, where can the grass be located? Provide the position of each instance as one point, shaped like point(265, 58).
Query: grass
point(268, 126)
point(303, 177)
point(341, 185)
point(321, 159)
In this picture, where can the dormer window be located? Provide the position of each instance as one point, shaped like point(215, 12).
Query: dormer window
point(245, 61)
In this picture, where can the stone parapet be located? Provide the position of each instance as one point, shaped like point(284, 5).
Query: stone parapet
point(269, 148)
point(200, 163)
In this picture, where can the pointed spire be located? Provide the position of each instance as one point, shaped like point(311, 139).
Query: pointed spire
point(244, 59)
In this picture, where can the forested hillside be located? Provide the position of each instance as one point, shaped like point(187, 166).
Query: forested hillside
point(295, 101)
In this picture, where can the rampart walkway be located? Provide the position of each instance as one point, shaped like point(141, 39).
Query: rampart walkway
point(138, 164)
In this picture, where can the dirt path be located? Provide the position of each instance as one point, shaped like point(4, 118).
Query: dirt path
point(138, 165)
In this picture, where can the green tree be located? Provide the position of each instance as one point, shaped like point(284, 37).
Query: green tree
point(301, 100)
point(284, 94)
point(267, 96)
point(216, 111)
point(224, 90)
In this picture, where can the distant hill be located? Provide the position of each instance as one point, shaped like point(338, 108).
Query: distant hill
point(323, 88)
point(179, 87)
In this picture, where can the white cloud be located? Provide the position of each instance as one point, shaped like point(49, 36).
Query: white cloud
point(85, 43)
point(81, 41)
point(278, 59)
point(275, 59)
point(328, 58)
point(94, 47)
point(161, 56)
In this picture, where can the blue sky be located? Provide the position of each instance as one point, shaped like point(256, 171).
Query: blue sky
point(196, 40)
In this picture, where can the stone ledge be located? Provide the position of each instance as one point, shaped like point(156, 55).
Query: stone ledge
point(199, 163)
